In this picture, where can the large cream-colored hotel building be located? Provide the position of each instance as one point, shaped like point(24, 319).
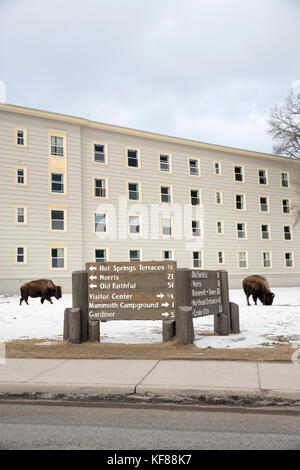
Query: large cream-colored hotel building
point(74, 190)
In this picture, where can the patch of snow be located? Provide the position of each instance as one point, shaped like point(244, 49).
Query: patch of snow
point(260, 325)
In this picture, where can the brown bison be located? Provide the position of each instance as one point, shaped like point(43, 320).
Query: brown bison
point(259, 288)
point(43, 288)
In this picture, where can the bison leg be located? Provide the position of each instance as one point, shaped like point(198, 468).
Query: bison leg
point(255, 299)
point(49, 300)
point(42, 300)
point(21, 300)
point(247, 296)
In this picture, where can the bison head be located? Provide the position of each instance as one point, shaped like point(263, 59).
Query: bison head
point(268, 298)
point(57, 292)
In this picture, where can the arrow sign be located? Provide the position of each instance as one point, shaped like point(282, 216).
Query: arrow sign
point(92, 278)
point(93, 286)
point(165, 304)
point(165, 314)
point(93, 268)
point(161, 295)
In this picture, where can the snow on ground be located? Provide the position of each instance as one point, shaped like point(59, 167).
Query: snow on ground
point(260, 325)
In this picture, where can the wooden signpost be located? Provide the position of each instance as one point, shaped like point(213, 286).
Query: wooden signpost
point(148, 290)
point(137, 290)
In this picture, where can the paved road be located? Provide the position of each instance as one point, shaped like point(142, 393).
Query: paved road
point(118, 427)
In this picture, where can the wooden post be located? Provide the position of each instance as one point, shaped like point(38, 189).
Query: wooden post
point(66, 333)
point(182, 287)
point(234, 318)
point(75, 326)
point(80, 299)
point(94, 330)
point(222, 320)
point(184, 325)
point(168, 331)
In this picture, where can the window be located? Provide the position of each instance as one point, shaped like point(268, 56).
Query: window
point(287, 232)
point(100, 255)
point(284, 179)
point(165, 163)
point(265, 232)
point(134, 224)
point(135, 255)
point(21, 254)
point(197, 259)
point(21, 176)
point(134, 191)
point(196, 228)
point(58, 258)
point(220, 227)
point(100, 188)
point(242, 259)
point(286, 206)
point(262, 177)
point(267, 260)
point(20, 137)
point(57, 145)
point(194, 166)
point(21, 215)
point(264, 204)
point(99, 152)
point(167, 254)
point(166, 194)
point(195, 197)
point(219, 198)
point(240, 202)
point(221, 257)
point(241, 230)
point(57, 183)
point(166, 226)
point(289, 261)
point(133, 158)
point(217, 168)
point(100, 223)
point(239, 174)
point(57, 219)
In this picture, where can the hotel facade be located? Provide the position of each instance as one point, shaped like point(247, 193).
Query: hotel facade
point(75, 191)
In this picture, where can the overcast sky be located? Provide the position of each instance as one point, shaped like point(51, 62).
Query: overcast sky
point(209, 70)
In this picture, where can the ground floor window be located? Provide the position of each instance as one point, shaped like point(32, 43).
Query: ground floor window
point(242, 259)
point(267, 259)
point(20, 254)
point(167, 254)
point(58, 258)
point(197, 259)
point(100, 255)
point(221, 257)
point(135, 255)
point(289, 259)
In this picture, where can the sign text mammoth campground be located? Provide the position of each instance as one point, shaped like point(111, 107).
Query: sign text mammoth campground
point(137, 290)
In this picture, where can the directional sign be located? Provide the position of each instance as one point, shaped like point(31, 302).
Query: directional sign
point(137, 290)
point(206, 293)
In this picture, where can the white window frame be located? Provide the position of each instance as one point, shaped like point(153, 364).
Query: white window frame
point(292, 259)
point(57, 154)
point(105, 258)
point(268, 231)
point(198, 263)
point(138, 258)
point(167, 165)
point(62, 183)
point(245, 259)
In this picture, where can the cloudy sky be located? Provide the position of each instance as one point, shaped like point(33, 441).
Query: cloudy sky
point(209, 70)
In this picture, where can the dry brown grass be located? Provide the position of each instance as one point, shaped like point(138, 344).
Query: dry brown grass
point(37, 348)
